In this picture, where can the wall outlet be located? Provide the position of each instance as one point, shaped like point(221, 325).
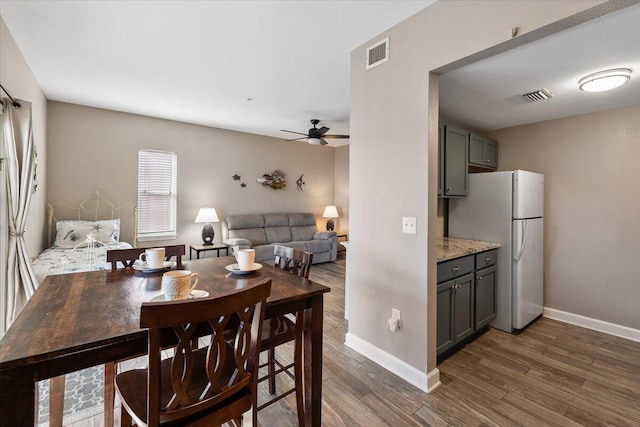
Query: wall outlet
point(408, 225)
point(394, 323)
point(395, 313)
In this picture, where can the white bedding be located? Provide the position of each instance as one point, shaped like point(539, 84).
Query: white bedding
point(50, 260)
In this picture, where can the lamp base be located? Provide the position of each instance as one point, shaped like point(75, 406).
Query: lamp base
point(207, 235)
point(330, 225)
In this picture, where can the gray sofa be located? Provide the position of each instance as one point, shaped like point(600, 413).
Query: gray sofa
point(295, 230)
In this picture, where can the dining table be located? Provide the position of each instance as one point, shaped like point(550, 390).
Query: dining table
point(78, 320)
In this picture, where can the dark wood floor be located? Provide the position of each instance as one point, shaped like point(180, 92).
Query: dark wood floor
point(550, 374)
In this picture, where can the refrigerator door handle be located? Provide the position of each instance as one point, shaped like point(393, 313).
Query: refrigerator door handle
point(524, 241)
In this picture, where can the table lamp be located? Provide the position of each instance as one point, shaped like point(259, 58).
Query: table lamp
point(330, 212)
point(207, 215)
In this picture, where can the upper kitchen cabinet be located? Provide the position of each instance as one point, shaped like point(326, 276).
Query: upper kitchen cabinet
point(483, 152)
point(453, 161)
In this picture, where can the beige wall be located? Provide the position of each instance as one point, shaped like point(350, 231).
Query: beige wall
point(17, 78)
point(92, 149)
point(392, 166)
point(592, 209)
point(341, 196)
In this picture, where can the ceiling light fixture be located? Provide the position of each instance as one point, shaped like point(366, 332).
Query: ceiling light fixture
point(605, 80)
point(314, 141)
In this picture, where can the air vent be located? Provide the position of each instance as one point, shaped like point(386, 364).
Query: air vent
point(378, 53)
point(538, 95)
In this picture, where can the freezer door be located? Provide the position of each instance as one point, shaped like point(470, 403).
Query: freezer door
point(527, 271)
point(528, 194)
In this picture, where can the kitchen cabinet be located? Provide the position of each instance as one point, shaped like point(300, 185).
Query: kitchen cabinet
point(466, 297)
point(440, 161)
point(483, 152)
point(453, 161)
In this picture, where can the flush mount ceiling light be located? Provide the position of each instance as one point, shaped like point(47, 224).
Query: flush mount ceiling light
point(605, 80)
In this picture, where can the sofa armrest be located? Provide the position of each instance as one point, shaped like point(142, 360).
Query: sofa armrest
point(324, 235)
point(236, 244)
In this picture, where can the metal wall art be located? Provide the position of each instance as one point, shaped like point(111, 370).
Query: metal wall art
point(274, 180)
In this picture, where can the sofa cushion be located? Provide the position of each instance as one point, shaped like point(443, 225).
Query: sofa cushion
point(275, 220)
point(256, 236)
point(297, 219)
point(245, 221)
point(303, 232)
point(296, 245)
point(278, 234)
point(315, 246)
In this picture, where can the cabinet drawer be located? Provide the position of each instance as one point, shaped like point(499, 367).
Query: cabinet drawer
point(454, 268)
point(486, 259)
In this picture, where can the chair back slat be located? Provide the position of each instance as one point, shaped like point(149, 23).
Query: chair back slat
point(202, 378)
point(293, 260)
point(127, 257)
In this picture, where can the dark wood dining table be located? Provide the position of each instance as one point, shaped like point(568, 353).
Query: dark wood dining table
point(78, 320)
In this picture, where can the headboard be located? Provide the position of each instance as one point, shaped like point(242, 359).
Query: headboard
point(93, 208)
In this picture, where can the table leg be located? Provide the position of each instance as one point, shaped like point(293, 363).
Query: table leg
point(313, 362)
point(17, 398)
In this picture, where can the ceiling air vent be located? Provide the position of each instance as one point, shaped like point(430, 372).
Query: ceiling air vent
point(378, 53)
point(538, 95)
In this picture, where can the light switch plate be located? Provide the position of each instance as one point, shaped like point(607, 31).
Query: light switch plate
point(408, 225)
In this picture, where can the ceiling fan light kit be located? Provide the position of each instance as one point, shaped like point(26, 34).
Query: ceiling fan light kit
point(605, 80)
point(315, 136)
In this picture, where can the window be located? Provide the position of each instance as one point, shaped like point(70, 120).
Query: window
point(157, 183)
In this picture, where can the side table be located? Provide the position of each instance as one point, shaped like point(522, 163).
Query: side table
point(202, 248)
point(346, 238)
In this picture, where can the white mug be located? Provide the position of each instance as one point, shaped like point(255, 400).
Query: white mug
point(245, 258)
point(153, 257)
point(178, 284)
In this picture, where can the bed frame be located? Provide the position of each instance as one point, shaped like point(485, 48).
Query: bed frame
point(93, 208)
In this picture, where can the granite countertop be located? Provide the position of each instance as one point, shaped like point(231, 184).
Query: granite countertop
point(451, 247)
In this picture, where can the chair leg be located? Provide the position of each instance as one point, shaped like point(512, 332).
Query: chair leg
point(56, 401)
point(125, 417)
point(109, 393)
point(271, 356)
point(298, 373)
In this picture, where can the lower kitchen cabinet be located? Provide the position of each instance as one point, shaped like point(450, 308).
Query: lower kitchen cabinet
point(466, 297)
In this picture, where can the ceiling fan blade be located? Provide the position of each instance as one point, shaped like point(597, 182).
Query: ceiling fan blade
point(295, 139)
point(323, 142)
point(290, 131)
point(323, 130)
point(336, 136)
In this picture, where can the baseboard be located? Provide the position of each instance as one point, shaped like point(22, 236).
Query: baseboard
point(425, 382)
point(595, 324)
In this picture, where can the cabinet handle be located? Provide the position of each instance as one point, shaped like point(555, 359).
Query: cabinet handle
point(479, 277)
point(488, 259)
point(448, 190)
point(455, 269)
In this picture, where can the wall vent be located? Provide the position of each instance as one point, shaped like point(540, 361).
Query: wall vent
point(538, 95)
point(378, 53)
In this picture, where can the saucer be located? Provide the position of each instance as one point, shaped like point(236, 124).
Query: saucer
point(196, 293)
point(236, 270)
point(143, 267)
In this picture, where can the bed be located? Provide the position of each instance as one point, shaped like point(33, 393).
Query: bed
point(81, 242)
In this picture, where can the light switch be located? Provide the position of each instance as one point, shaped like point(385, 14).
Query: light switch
point(408, 225)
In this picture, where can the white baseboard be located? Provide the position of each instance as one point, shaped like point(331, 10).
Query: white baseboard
point(595, 324)
point(425, 382)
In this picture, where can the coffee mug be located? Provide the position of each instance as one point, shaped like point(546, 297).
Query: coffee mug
point(178, 284)
point(245, 258)
point(153, 257)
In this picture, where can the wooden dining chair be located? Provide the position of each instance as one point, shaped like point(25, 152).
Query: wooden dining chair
point(207, 386)
point(281, 329)
point(127, 257)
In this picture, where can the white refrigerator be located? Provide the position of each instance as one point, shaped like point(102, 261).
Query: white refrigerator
point(507, 207)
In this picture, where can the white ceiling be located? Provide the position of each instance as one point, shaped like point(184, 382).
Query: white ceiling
point(199, 61)
point(486, 94)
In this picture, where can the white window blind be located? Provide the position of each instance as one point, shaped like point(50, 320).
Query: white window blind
point(157, 193)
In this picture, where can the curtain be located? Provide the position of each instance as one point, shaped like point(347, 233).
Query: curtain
point(19, 282)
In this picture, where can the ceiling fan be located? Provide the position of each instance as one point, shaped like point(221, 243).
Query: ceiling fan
point(315, 136)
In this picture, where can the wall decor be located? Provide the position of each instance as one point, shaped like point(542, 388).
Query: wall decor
point(274, 180)
point(243, 185)
point(236, 177)
point(300, 183)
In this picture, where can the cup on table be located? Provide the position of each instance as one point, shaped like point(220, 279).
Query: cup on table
point(245, 258)
point(153, 257)
point(178, 284)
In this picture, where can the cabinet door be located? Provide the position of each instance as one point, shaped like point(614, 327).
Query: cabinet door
point(445, 316)
point(440, 162)
point(463, 308)
point(490, 153)
point(485, 289)
point(456, 143)
point(476, 148)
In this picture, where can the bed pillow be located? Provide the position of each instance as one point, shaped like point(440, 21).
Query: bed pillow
point(70, 233)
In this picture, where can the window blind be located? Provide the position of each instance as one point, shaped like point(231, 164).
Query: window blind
point(157, 194)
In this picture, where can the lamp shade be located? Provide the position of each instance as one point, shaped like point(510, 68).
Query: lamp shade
point(207, 215)
point(330, 212)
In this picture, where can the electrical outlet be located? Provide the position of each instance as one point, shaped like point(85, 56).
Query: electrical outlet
point(408, 225)
point(394, 323)
point(395, 313)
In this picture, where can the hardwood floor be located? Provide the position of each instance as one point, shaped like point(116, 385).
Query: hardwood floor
point(550, 374)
